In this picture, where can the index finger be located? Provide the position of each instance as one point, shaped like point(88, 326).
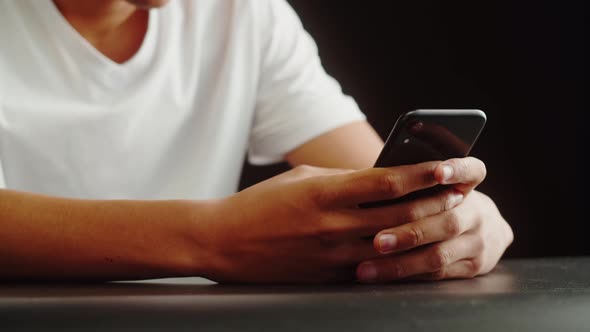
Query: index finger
point(375, 184)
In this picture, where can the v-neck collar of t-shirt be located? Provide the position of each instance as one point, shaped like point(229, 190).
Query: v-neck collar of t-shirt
point(100, 67)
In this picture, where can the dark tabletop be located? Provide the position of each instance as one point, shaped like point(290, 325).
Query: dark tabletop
point(519, 295)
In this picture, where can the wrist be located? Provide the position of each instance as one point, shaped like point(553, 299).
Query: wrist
point(203, 219)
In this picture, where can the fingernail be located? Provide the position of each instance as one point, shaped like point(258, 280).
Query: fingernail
point(455, 199)
point(367, 272)
point(387, 242)
point(447, 172)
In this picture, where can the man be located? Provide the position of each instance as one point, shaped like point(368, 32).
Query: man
point(122, 133)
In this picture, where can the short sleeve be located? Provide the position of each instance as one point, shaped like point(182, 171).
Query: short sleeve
point(296, 99)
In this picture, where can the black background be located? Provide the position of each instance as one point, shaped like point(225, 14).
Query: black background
point(523, 63)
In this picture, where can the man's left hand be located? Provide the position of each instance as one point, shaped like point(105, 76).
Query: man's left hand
point(462, 242)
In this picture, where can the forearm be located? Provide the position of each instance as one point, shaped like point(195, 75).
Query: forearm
point(48, 238)
point(353, 146)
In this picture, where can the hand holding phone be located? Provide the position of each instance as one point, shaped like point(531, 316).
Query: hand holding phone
point(426, 135)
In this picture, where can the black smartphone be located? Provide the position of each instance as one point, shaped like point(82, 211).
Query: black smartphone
point(429, 134)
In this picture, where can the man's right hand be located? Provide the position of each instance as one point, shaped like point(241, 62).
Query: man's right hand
point(305, 226)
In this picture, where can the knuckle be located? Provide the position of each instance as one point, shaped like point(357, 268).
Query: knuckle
point(326, 230)
point(509, 234)
point(440, 258)
point(477, 165)
point(461, 167)
point(452, 224)
point(416, 235)
point(411, 213)
point(317, 194)
point(474, 267)
point(304, 169)
point(391, 183)
point(300, 170)
point(479, 244)
point(506, 233)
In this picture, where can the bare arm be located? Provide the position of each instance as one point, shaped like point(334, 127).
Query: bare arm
point(51, 238)
point(311, 210)
point(314, 217)
point(353, 146)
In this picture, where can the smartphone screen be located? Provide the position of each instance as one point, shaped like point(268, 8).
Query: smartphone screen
point(425, 135)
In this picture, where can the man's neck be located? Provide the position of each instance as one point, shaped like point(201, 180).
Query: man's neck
point(114, 27)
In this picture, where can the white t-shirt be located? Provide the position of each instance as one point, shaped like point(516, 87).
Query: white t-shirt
point(213, 79)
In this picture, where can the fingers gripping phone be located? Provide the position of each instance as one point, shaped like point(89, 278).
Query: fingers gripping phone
point(429, 134)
